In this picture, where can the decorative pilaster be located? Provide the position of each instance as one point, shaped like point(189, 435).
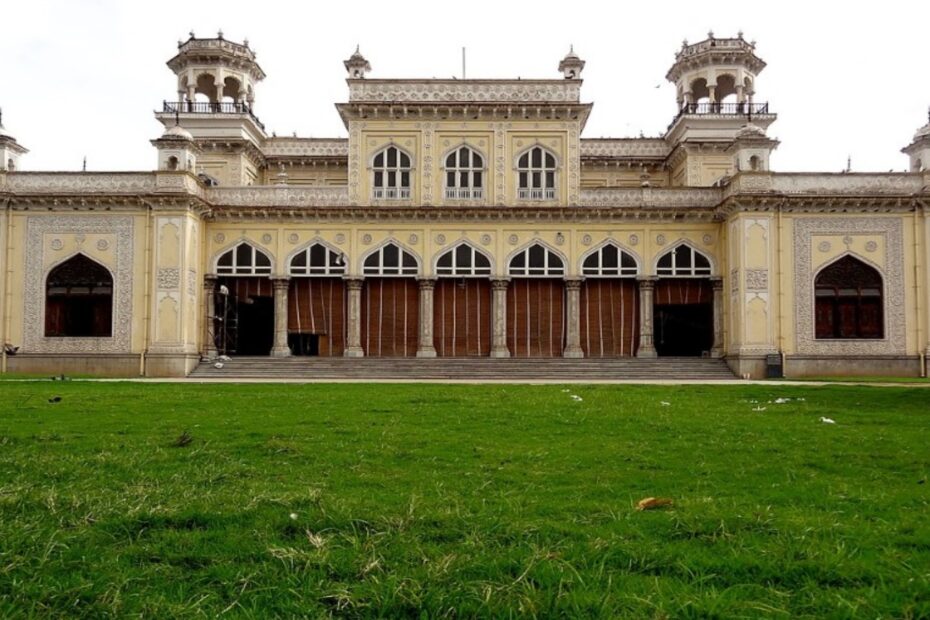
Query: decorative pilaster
point(499, 318)
point(572, 318)
point(425, 346)
point(208, 345)
point(354, 320)
point(716, 349)
point(647, 286)
point(280, 348)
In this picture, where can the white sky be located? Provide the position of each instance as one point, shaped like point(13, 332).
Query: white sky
point(82, 77)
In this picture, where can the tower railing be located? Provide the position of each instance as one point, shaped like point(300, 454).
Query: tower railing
point(211, 107)
point(708, 107)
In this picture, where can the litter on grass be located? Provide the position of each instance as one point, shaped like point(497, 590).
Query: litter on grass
point(827, 420)
point(576, 398)
point(758, 408)
point(665, 403)
point(651, 503)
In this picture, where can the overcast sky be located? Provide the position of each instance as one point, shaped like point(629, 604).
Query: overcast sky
point(82, 77)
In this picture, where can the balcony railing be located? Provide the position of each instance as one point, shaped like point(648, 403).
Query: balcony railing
point(211, 107)
point(391, 193)
point(707, 107)
point(464, 193)
point(536, 194)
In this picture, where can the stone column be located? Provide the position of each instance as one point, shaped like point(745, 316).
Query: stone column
point(647, 285)
point(354, 318)
point(425, 346)
point(499, 318)
point(572, 318)
point(280, 348)
point(712, 93)
point(716, 349)
point(191, 96)
point(209, 320)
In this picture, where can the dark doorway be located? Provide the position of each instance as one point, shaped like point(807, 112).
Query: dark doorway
point(256, 326)
point(304, 344)
point(684, 330)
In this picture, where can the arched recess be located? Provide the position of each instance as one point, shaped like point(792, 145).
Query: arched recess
point(316, 300)
point(390, 301)
point(609, 308)
point(537, 173)
point(683, 302)
point(536, 302)
point(462, 302)
point(391, 173)
point(231, 88)
point(79, 299)
point(244, 298)
point(465, 173)
point(699, 91)
point(726, 88)
point(205, 86)
point(849, 300)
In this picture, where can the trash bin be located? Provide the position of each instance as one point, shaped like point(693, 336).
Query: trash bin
point(773, 367)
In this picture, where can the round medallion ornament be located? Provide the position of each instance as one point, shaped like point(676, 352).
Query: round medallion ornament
point(219, 237)
point(485, 239)
point(634, 239)
point(513, 239)
point(366, 239)
point(57, 244)
point(102, 245)
point(871, 246)
point(340, 239)
point(413, 239)
point(293, 238)
point(824, 246)
point(586, 240)
point(660, 240)
point(440, 239)
point(560, 239)
point(266, 238)
point(707, 239)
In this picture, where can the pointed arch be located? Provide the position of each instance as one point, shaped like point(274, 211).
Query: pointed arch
point(849, 299)
point(317, 258)
point(610, 259)
point(391, 170)
point(684, 260)
point(243, 259)
point(79, 299)
point(537, 259)
point(465, 172)
point(463, 259)
point(537, 173)
point(390, 258)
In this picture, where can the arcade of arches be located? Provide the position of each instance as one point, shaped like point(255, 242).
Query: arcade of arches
point(464, 311)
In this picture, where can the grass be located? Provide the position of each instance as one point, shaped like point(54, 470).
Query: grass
point(183, 500)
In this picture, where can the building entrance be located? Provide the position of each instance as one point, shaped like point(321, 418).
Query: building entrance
point(244, 316)
point(683, 317)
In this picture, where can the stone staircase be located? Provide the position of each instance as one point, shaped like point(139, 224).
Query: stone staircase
point(519, 370)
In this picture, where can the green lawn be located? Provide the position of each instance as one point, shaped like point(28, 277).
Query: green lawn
point(399, 500)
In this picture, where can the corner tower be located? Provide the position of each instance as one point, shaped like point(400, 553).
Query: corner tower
point(918, 150)
point(10, 150)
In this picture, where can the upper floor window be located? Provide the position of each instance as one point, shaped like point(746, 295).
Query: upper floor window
point(609, 261)
point(391, 168)
point(390, 260)
point(464, 174)
point(683, 261)
point(244, 260)
point(536, 260)
point(849, 303)
point(536, 170)
point(317, 260)
point(463, 260)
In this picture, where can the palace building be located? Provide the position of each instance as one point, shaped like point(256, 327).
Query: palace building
point(464, 218)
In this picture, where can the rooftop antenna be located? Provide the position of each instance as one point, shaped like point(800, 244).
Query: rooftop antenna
point(463, 62)
point(1, 117)
point(84, 167)
point(849, 163)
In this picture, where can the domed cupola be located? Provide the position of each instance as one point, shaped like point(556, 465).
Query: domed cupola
point(177, 150)
point(919, 148)
point(10, 149)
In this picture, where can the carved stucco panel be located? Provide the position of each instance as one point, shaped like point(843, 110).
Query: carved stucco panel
point(39, 230)
point(891, 229)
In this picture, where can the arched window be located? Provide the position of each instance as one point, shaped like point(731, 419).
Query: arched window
point(390, 260)
point(463, 260)
point(536, 169)
point(683, 261)
point(849, 304)
point(317, 260)
point(464, 174)
point(391, 174)
point(79, 299)
point(244, 260)
point(536, 260)
point(754, 163)
point(173, 163)
point(609, 261)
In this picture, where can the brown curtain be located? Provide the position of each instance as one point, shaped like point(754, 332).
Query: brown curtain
point(317, 306)
point(683, 291)
point(609, 321)
point(390, 317)
point(536, 317)
point(462, 317)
